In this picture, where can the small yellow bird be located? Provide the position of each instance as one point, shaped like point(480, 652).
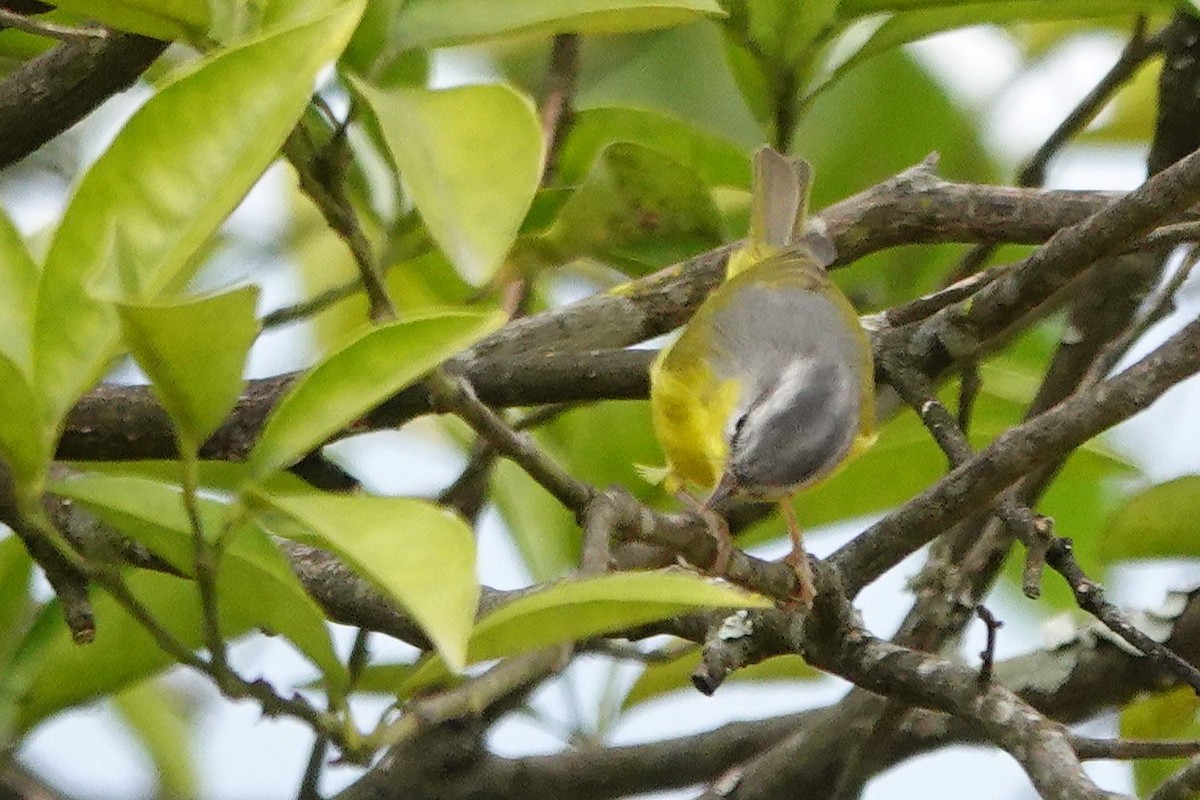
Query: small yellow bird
point(770, 386)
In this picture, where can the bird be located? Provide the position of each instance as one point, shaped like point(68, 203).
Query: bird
point(769, 388)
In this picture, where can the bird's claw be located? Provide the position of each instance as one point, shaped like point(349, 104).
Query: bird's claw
point(802, 596)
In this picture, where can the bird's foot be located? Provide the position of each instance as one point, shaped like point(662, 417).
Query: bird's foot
point(719, 529)
point(801, 598)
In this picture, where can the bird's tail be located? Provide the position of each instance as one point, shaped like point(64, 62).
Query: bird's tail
point(779, 212)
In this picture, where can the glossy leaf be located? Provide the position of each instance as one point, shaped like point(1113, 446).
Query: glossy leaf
point(194, 353)
point(255, 584)
point(417, 553)
point(159, 718)
point(578, 609)
point(157, 194)
point(470, 159)
point(358, 377)
point(425, 23)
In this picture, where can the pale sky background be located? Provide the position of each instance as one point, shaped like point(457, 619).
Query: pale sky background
point(240, 755)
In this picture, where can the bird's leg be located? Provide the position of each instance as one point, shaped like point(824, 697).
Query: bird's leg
point(719, 529)
point(798, 558)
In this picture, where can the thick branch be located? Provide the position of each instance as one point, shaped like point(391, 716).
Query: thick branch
point(50, 93)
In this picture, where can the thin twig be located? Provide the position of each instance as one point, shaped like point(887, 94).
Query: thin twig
point(66, 33)
point(987, 658)
point(558, 97)
point(1183, 785)
point(453, 394)
point(1034, 532)
point(1156, 308)
point(321, 179)
point(1137, 50)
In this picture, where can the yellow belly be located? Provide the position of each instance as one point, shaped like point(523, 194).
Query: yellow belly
point(690, 410)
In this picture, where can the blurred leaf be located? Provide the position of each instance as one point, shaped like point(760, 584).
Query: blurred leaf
point(446, 146)
point(194, 353)
point(1129, 117)
point(601, 444)
point(1158, 522)
point(159, 719)
point(158, 19)
point(718, 162)
point(156, 195)
point(659, 680)
point(840, 134)
point(25, 438)
point(573, 610)
point(417, 553)
point(905, 461)
point(255, 583)
point(425, 23)
point(215, 477)
point(370, 53)
point(909, 26)
point(16, 614)
point(358, 377)
point(380, 679)
point(1035, 8)
point(545, 532)
point(123, 651)
point(18, 287)
point(1171, 715)
point(693, 81)
point(640, 208)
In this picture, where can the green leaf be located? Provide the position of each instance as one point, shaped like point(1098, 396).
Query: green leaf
point(384, 679)
point(426, 23)
point(122, 653)
point(18, 287)
point(718, 162)
point(174, 172)
point(16, 614)
point(419, 554)
point(255, 584)
point(194, 353)
point(24, 437)
point(545, 531)
point(1171, 715)
point(446, 145)
point(1033, 8)
point(659, 680)
point(358, 377)
point(159, 718)
point(700, 89)
point(909, 26)
point(1158, 522)
point(159, 19)
point(574, 610)
point(638, 208)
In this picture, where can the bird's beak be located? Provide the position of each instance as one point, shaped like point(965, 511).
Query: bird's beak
point(722, 491)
